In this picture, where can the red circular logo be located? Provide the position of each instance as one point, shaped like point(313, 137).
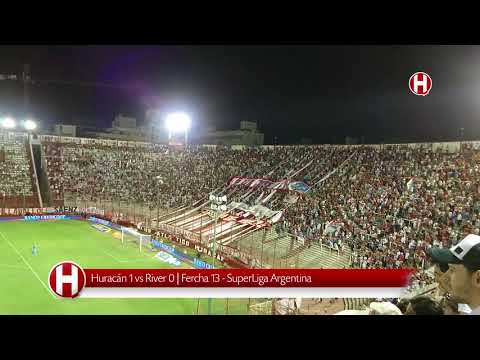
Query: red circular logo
point(66, 279)
point(420, 83)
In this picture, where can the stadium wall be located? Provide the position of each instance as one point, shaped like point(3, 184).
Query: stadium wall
point(451, 146)
point(10, 218)
point(105, 222)
point(197, 263)
point(224, 254)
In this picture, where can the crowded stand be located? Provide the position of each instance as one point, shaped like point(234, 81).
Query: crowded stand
point(387, 204)
point(16, 180)
point(390, 205)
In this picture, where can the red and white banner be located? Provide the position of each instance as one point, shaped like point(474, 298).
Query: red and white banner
point(235, 283)
point(258, 183)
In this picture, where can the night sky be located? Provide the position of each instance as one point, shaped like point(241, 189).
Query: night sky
point(321, 92)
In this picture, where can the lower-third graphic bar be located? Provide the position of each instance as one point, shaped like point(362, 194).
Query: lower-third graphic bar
point(70, 280)
point(232, 293)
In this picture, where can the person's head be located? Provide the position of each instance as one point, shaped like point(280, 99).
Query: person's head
point(441, 277)
point(464, 269)
point(450, 305)
point(403, 304)
point(423, 305)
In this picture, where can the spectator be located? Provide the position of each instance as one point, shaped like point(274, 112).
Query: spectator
point(451, 305)
point(402, 305)
point(383, 308)
point(464, 270)
point(423, 305)
point(440, 275)
point(359, 199)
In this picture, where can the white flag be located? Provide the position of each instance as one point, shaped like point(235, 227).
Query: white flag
point(411, 185)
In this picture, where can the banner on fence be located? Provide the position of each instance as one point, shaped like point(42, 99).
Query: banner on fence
point(93, 219)
point(199, 264)
point(47, 217)
point(283, 185)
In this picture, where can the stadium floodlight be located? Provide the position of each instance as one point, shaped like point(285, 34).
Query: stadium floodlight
point(178, 122)
point(30, 124)
point(8, 123)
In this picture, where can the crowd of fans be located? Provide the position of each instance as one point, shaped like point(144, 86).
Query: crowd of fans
point(170, 179)
point(15, 178)
point(387, 204)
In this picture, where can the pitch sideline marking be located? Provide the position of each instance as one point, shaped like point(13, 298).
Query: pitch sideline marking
point(29, 266)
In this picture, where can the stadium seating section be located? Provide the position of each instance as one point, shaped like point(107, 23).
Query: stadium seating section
point(16, 175)
point(382, 206)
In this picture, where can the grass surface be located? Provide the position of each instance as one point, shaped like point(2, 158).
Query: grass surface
point(24, 277)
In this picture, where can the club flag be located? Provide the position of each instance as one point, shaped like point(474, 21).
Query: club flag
point(276, 217)
point(411, 185)
point(332, 226)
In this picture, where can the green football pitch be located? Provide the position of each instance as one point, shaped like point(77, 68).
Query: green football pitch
point(24, 277)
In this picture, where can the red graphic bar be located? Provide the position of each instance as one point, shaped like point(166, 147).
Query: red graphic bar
point(248, 278)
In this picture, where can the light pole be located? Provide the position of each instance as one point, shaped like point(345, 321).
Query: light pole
point(217, 204)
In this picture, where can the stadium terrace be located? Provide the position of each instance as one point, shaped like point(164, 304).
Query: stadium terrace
point(369, 206)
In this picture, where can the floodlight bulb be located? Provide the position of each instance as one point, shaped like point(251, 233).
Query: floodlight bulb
point(30, 124)
point(178, 122)
point(8, 123)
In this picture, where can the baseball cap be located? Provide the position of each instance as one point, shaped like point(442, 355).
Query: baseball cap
point(466, 252)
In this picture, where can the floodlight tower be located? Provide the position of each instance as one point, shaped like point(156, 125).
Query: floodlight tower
point(26, 79)
point(178, 122)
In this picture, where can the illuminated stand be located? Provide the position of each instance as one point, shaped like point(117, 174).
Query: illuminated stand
point(132, 235)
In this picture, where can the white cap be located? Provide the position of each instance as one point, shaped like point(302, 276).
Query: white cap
point(464, 246)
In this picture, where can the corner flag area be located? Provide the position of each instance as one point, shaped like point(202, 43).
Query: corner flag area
point(24, 276)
